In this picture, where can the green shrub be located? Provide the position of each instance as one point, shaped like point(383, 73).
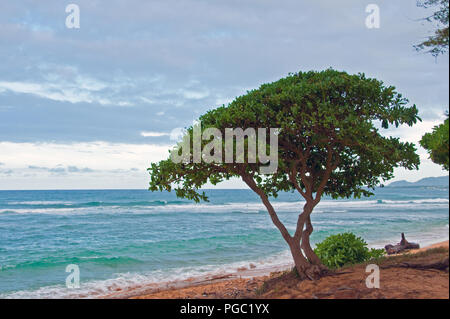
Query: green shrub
point(345, 249)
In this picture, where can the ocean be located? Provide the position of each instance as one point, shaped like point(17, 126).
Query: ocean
point(121, 239)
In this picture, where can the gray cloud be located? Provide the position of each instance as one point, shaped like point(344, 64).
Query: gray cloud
point(74, 169)
point(37, 167)
point(6, 172)
point(62, 170)
point(58, 170)
point(131, 60)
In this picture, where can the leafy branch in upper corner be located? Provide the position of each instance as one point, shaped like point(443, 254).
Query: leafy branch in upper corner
point(438, 43)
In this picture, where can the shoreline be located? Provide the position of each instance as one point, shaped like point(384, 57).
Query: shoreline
point(226, 285)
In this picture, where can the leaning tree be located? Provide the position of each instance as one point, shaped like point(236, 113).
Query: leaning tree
point(329, 143)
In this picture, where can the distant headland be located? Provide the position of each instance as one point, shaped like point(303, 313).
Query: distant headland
point(441, 181)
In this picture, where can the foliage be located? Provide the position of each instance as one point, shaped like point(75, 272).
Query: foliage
point(437, 43)
point(345, 249)
point(437, 144)
point(328, 141)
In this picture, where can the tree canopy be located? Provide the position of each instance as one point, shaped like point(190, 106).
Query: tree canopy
point(327, 137)
point(437, 145)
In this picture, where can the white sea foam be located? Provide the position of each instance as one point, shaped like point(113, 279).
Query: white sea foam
point(424, 238)
point(44, 210)
point(325, 206)
point(337, 206)
point(159, 278)
point(41, 203)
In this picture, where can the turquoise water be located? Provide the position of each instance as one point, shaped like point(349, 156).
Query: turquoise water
point(124, 238)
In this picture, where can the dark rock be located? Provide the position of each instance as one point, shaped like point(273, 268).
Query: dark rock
point(402, 246)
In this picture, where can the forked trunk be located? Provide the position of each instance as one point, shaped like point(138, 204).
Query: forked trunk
point(306, 246)
point(307, 263)
point(308, 267)
point(301, 263)
point(305, 269)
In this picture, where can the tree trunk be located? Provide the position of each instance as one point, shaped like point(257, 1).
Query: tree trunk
point(308, 267)
point(301, 263)
point(307, 263)
point(306, 246)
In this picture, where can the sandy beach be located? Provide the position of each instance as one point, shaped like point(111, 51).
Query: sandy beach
point(409, 275)
point(443, 244)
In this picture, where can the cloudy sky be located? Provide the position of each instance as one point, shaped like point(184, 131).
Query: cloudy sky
point(92, 107)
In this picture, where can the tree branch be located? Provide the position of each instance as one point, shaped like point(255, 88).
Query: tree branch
point(293, 179)
point(273, 215)
point(330, 167)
